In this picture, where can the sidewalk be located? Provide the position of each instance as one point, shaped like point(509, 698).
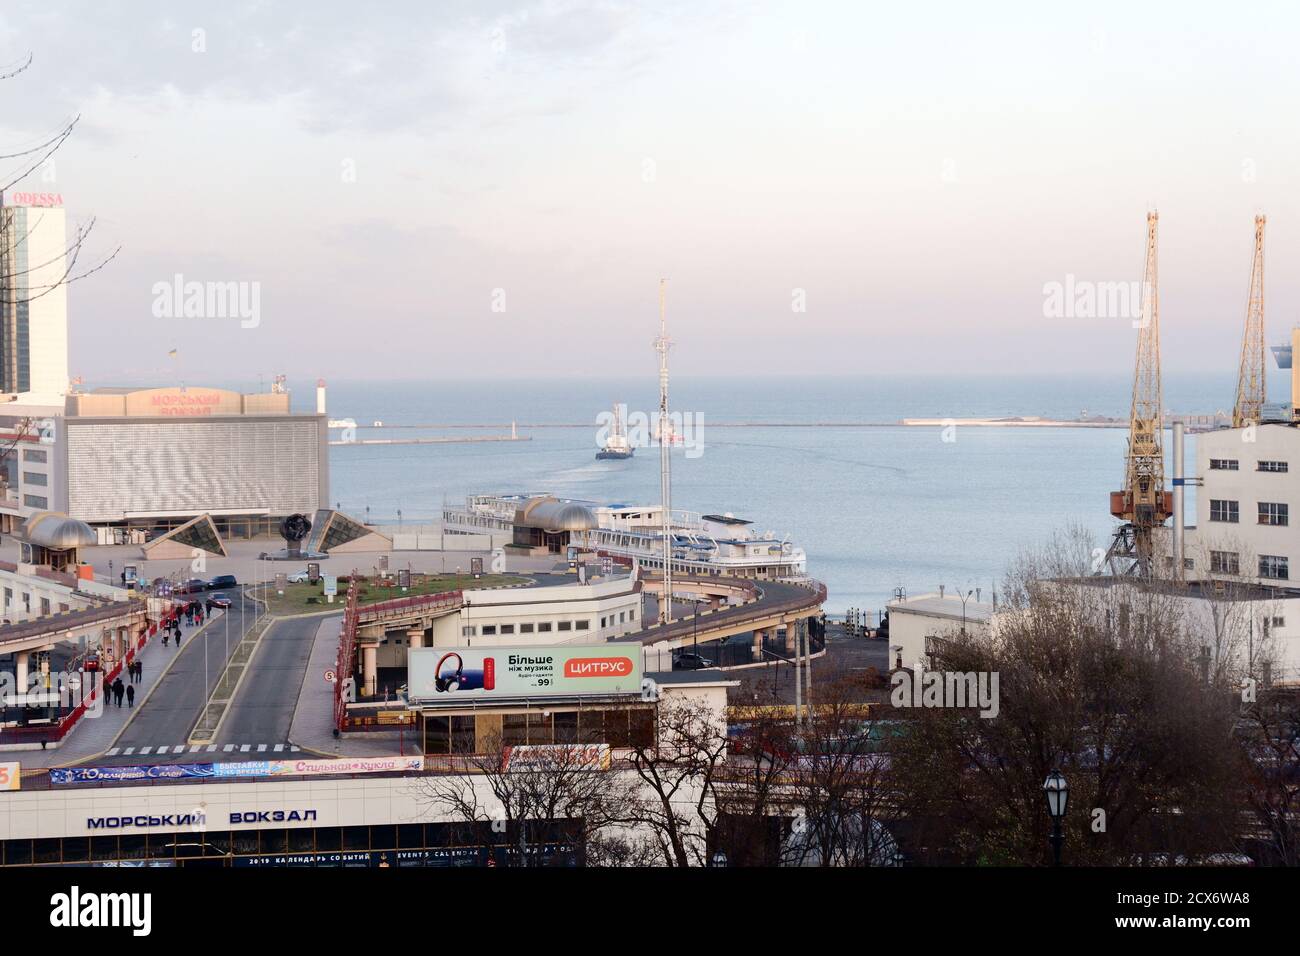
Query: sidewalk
point(313, 718)
point(93, 735)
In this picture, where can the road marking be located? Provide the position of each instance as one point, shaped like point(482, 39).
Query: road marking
point(211, 747)
point(196, 748)
point(161, 750)
point(279, 747)
point(227, 748)
point(295, 748)
point(114, 751)
point(244, 749)
point(261, 748)
point(128, 751)
point(145, 750)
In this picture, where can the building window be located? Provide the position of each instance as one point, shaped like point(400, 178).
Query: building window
point(35, 454)
point(544, 627)
point(1225, 562)
point(1275, 466)
point(489, 629)
point(507, 628)
point(1223, 510)
point(1273, 513)
point(565, 625)
point(45, 607)
point(631, 615)
point(36, 501)
point(582, 625)
point(603, 621)
point(1279, 622)
point(35, 478)
point(468, 631)
point(1273, 566)
point(1223, 464)
point(525, 628)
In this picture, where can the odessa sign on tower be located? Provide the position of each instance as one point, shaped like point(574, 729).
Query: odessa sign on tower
point(441, 673)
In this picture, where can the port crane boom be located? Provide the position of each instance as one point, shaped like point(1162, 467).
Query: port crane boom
point(1251, 389)
point(1143, 504)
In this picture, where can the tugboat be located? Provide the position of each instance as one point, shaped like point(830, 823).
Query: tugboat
point(617, 446)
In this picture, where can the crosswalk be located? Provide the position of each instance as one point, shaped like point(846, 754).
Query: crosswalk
point(172, 750)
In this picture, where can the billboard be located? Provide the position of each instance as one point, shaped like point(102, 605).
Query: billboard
point(464, 673)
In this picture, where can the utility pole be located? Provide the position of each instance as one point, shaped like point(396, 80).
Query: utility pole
point(662, 344)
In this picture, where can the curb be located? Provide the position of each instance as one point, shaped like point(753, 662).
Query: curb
point(149, 693)
point(234, 691)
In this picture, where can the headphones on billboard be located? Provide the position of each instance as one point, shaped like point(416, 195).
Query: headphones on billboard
point(453, 680)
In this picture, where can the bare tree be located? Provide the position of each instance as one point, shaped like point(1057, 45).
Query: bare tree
point(18, 285)
point(680, 771)
point(1270, 733)
point(535, 800)
point(838, 784)
point(1100, 679)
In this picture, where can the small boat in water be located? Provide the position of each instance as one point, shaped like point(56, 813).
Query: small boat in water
point(616, 446)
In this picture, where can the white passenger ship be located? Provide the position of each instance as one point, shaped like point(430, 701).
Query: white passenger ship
point(704, 544)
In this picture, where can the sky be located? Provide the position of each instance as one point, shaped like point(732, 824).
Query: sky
point(470, 190)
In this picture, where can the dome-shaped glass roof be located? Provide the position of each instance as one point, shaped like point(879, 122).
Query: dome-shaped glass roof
point(51, 529)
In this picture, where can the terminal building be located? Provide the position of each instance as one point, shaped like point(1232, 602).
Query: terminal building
point(152, 459)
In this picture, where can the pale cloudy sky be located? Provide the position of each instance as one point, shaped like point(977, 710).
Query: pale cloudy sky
point(919, 171)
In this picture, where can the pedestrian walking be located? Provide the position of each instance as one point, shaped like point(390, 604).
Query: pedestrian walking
point(118, 691)
point(130, 695)
point(166, 638)
point(178, 638)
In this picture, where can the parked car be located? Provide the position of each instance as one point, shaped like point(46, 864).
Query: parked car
point(690, 662)
point(192, 586)
point(218, 600)
point(299, 577)
point(222, 581)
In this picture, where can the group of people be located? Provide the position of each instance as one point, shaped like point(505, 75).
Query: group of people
point(120, 690)
point(171, 628)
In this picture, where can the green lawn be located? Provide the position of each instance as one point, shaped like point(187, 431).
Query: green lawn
point(302, 598)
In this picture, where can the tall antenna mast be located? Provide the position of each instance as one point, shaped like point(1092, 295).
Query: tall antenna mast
point(662, 345)
point(1251, 390)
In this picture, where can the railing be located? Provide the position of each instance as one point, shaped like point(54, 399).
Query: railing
point(397, 607)
point(345, 663)
point(55, 732)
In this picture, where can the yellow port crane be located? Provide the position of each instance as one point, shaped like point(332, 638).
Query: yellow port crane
point(1251, 390)
point(1143, 505)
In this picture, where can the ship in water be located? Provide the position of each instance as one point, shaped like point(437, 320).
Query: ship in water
point(702, 544)
point(616, 447)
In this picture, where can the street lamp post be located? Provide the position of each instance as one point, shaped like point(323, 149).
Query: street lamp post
point(963, 608)
point(1057, 791)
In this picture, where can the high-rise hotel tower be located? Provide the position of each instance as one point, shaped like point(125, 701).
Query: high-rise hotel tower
point(33, 296)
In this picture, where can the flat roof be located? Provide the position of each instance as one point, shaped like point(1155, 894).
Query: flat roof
point(948, 605)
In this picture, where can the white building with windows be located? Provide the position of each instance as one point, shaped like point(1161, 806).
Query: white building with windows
point(1249, 478)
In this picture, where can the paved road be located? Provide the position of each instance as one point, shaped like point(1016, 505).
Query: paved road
point(263, 707)
point(171, 710)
